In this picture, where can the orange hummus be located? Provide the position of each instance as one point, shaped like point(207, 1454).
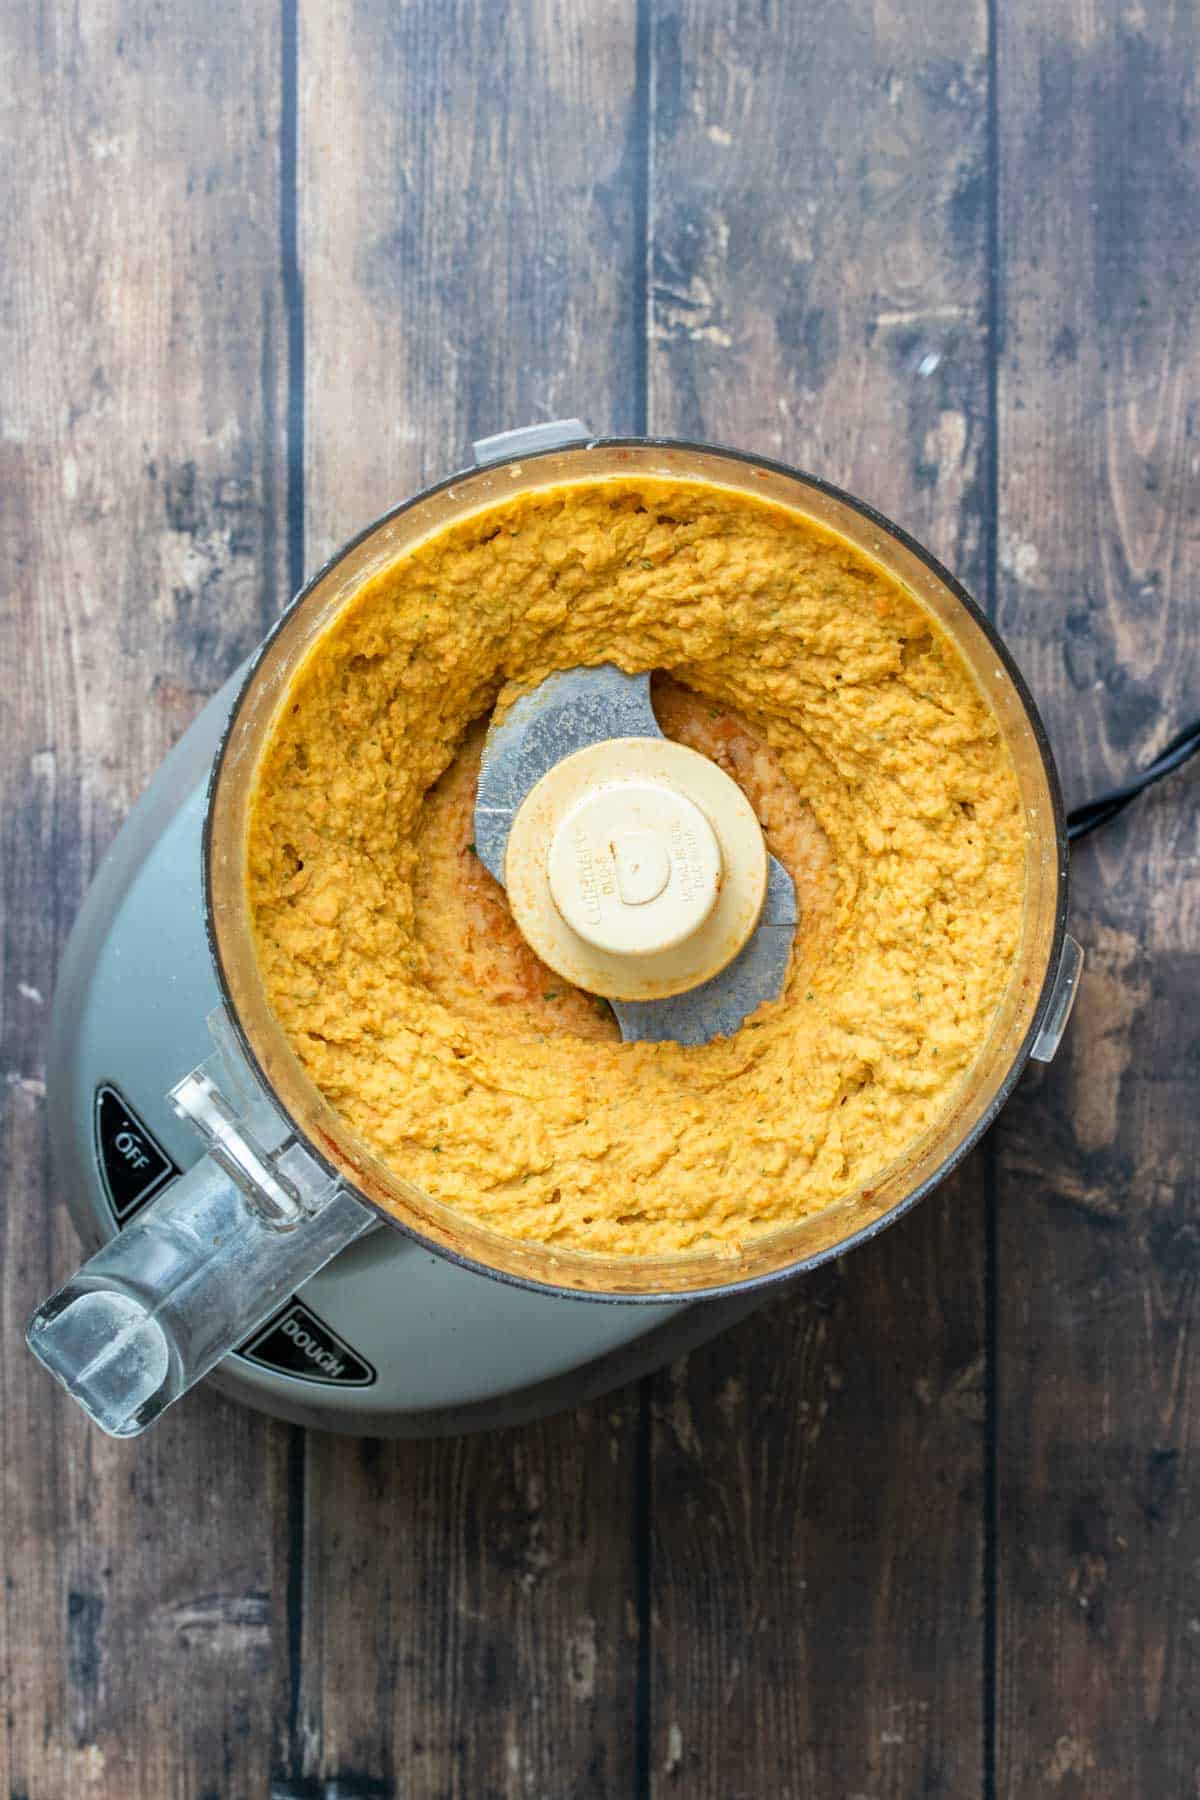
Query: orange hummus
point(877, 771)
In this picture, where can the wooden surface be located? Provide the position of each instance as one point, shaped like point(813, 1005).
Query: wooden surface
point(141, 415)
point(927, 1526)
point(1098, 1197)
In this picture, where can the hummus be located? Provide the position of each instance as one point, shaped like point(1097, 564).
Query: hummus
point(877, 771)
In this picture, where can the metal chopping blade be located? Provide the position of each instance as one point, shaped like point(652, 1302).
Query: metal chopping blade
point(570, 711)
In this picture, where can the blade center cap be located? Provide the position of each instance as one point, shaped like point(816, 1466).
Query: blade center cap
point(634, 867)
point(643, 865)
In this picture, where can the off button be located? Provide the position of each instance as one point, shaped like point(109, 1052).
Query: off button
point(133, 1164)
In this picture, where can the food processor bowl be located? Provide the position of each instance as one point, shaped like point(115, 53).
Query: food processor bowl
point(1023, 1014)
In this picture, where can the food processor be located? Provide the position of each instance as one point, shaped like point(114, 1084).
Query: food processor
point(242, 1231)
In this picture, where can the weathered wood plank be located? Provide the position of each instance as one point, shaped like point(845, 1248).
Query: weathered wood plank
point(467, 257)
point(817, 1523)
point(467, 231)
point(1098, 1597)
point(139, 443)
point(818, 239)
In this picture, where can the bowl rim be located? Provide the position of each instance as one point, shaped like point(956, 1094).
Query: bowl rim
point(962, 1147)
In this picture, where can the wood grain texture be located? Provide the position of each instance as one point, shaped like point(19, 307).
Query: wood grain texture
point(470, 1625)
point(817, 1506)
point(139, 440)
point(1099, 1547)
point(467, 234)
point(766, 1574)
point(818, 230)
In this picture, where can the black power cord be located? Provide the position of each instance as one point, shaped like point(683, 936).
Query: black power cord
point(1097, 812)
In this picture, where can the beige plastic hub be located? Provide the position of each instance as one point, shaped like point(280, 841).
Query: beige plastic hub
point(636, 868)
